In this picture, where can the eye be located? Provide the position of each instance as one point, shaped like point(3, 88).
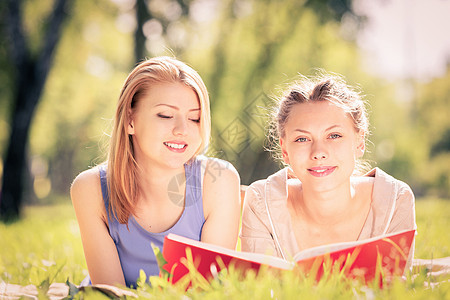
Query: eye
point(301, 139)
point(164, 116)
point(194, 116)
point(334, 136)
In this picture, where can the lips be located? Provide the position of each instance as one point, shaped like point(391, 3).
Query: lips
point(176, 146)
point(321, 171)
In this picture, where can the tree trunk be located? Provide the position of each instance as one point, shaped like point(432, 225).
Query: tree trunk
point(142, 15)
point(30, 75)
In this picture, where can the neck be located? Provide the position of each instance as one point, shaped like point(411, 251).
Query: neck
point(154, 182)
point(326, 207)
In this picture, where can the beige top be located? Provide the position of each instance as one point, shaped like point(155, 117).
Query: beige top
point(266, 222)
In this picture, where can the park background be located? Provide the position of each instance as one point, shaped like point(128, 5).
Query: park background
point(246, 51)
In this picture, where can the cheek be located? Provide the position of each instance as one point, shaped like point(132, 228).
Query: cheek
point(297, 154)
point(196, 127)
point(345, 151)
point(196, 133)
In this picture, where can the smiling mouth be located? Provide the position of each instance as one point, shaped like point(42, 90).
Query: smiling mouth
point(321, 171)
point(175, 146)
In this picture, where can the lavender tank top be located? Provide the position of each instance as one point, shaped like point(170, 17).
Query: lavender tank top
point(134, 244)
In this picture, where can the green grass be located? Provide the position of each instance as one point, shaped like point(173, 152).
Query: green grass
point(46, 245)
point(433, 227)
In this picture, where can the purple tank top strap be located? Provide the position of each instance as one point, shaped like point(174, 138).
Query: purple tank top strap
point(104, 185)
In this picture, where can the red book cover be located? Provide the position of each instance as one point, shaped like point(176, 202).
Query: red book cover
point(379, 257)
point(208, 258)
point(384, 255)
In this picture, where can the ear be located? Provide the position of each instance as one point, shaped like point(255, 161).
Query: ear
point(361, 146)
point(284, 151)
point(130, 127)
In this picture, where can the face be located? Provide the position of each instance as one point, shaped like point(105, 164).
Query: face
point(321, 145)
point(165, 125)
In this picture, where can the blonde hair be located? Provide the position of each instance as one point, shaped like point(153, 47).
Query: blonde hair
point(122, 166)
point(322, 87)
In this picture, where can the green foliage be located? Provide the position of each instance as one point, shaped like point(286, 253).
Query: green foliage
point(74, 118)
point(433, 130)
point(246, 51)
point(160, 260)
point(45, 247)
point(253, 56)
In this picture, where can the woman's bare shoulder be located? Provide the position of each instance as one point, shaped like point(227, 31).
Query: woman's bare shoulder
point(88, 174)
point(219, 171)
point(220, 185)
point(86, 187)
point(87, 178)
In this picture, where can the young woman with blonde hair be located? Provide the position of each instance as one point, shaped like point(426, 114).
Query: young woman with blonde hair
point(321, 126)
point(154, 181)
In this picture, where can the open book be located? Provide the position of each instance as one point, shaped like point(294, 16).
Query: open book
point(366, 259)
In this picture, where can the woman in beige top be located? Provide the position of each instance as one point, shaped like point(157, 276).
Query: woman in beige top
point(321, 127)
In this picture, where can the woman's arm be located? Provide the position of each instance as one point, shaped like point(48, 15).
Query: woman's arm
point(99, 249)
point(221, 204)
point(255, 235)
point(404, 215)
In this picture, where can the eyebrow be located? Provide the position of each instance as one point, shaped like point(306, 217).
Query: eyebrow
point(176, 107)
point(328, 129)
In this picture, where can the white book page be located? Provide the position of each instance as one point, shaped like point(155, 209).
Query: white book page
point(272, 261)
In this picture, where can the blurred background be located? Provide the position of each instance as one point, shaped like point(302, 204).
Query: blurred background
point(63, 62)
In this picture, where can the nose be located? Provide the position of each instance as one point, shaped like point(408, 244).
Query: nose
point(319, 151)
point(180, 127)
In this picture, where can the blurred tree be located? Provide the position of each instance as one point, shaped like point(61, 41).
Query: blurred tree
point(73, 118)
point(330, 9)
point(243, 49)
point(30, 72)
point(156, 16)
point(142, 16)
point(433, 131)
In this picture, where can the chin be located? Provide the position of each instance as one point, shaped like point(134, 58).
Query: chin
point(176, 163)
